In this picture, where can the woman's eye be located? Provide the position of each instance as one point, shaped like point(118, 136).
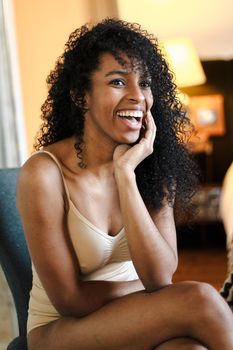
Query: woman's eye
point(145, 84)
point(117, 82)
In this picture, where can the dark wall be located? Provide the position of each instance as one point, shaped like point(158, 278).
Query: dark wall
point(219, 80)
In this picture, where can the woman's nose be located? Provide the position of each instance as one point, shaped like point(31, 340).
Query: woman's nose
point(135, 94)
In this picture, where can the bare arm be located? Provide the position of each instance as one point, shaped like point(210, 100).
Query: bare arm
point(41, 201)
point(151, 236)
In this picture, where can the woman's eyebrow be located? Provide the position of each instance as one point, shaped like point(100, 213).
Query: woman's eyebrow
point(144, 74)
point(146, 77)
point(121, 72)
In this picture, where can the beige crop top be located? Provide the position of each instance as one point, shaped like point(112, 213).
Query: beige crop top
point(101, 257)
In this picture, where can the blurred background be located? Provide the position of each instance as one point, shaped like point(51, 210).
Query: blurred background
point(33, 34)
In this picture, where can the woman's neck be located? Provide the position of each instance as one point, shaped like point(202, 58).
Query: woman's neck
point(97, 149)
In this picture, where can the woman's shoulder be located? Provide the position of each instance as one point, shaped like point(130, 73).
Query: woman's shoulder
point(39, 171)
point(38, 163)
point(40, 188)
point(47, 159)
point(44, 168)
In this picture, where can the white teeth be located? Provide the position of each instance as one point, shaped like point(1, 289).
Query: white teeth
point(135, 114)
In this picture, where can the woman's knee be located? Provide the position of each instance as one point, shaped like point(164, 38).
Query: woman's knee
point(200, 293)
point(208, 297)
point(204, 302)
point(190, 296)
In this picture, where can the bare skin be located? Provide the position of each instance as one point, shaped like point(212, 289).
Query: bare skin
point(140, 321)
point(149, 313)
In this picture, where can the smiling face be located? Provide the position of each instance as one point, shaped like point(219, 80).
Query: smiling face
point(119, 98)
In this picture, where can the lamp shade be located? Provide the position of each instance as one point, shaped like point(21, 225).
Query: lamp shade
point(184, 62)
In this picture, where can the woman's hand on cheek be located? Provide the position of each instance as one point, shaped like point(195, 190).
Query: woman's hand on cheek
point(127, 157)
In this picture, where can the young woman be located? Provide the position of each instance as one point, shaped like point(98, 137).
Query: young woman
point(97, 198)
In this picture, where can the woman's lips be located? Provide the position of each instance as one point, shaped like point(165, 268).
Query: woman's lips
point(131, 118)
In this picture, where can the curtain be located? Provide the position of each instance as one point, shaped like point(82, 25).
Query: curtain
point(12, 139)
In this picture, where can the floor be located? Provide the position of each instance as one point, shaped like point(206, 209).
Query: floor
point(207, 265)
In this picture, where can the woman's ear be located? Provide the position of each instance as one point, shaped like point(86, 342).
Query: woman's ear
point(75, 98)
point(85, 103)
point(78, 100)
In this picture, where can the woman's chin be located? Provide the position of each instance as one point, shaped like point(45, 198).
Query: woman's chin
point(130, 139)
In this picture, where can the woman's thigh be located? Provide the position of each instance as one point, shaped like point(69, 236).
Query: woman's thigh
point(139, 321)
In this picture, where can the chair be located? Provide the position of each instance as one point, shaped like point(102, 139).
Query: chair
point(14, 256)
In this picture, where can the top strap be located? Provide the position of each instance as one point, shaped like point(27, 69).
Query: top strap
point(51, 155)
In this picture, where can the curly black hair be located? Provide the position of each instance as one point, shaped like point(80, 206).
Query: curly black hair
point(170, 170)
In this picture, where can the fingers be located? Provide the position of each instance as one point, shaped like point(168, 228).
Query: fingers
point(150, 128)
point(151, 122)
point(133, 155)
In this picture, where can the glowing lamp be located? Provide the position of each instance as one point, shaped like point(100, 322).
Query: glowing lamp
point(184, 62)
